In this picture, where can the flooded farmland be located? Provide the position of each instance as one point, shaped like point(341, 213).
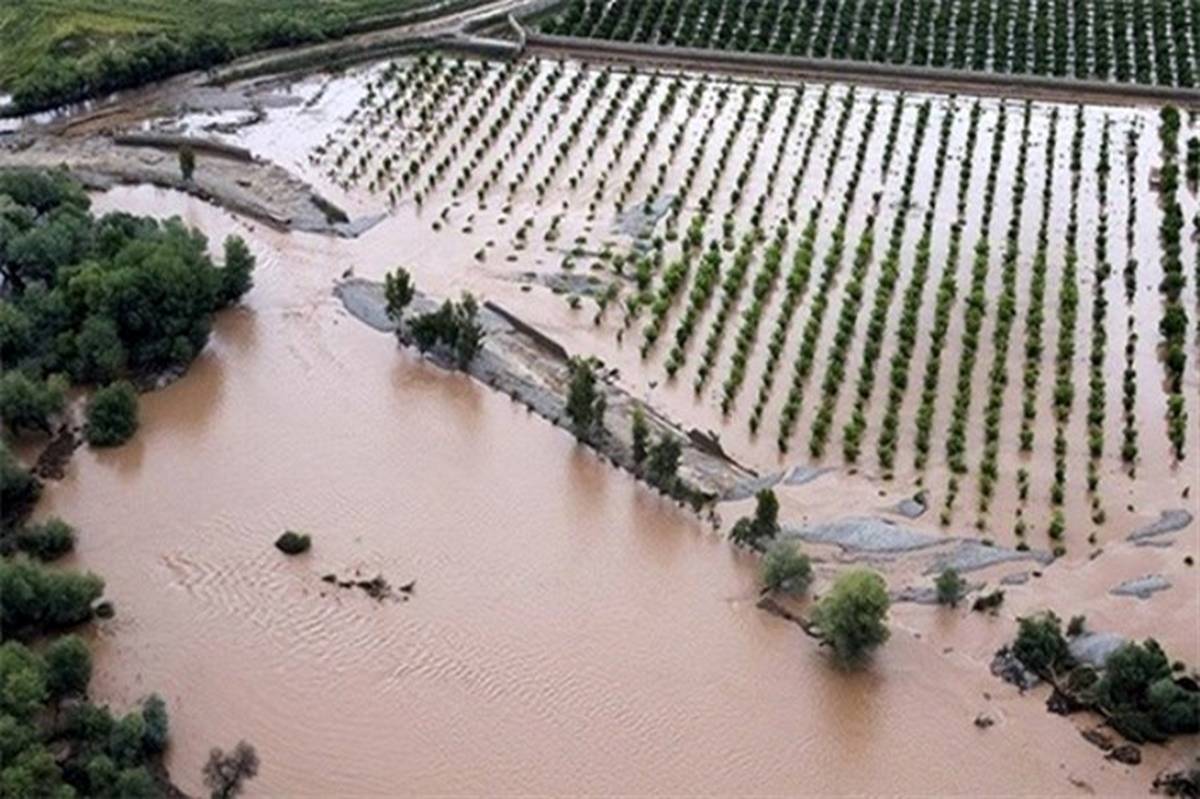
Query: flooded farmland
point(570, 630)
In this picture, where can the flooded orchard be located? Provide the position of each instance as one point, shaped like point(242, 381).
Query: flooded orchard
point(568, 629)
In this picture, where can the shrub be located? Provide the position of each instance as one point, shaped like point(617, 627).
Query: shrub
point(662, 463)
point(1144, 702)
point(46, 541)
point(237, 274)
point(454, 327)
point(988, 602)
point(154, 711)
point(585, 400)
point(1040, 645)
point(398, 291)
point(950, 587)
point(29, 404)
point(19, 490)
point(226, 774)
point(112, 415)
point(187, 162)
point(751, 532)
point(852, 616)
point(68, 667)
point(786, 570)
point(293, 543)
point(641, 435)
point(39, 599)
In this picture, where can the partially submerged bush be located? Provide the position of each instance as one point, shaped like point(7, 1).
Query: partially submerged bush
point(19, 489)
point(293, 543)
point(853, 616)
point(763, 526)
point(112, 415)
point(48, 540)
point(454, 326)
point(1040, 645)
point(585, 399)
point(950, 587)
point(988, 602)
point(786, 570)
point(1144, 701)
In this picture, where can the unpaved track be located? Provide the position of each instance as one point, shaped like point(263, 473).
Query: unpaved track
point(908, 78)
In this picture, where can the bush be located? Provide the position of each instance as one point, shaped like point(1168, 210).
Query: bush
point(46, 541)
point(852, 617)
point(237, 274)
point(585, 400)
point(1040, 645)
point(987, 602)
point(662, 464)
point(950, 587)
point(641, 435)
point(751, 532)
point(68, 667)
point(112, 415)
point(19, 490)
point(453, 327)
point(39, 599)
point(398, 291)
point(154, 711)
point(29, 404)
point(187, 162)
point(293, 543)
point(226, 774)
point(786, 570)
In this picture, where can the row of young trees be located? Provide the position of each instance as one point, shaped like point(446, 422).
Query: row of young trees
point(855, 427)
point(1147, 41)
point(974, 312)
point(724, 273)
point(831, 265)
point(1173, 324)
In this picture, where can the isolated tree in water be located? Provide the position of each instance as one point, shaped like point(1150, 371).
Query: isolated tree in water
point(226, 774)
point(786, 570)
point(585, 400)
point(853, 616)
point(237, 276)
point(398, 291)
point(187, 162)
point(764, 525)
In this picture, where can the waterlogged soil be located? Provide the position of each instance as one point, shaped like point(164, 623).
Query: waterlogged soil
point(570, 629)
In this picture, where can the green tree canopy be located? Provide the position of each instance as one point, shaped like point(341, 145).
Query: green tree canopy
point(852, 617)
point(112, 415)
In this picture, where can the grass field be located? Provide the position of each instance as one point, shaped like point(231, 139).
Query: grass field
point(33, 29)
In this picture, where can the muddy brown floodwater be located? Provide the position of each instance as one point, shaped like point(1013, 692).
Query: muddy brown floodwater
point(569, 630)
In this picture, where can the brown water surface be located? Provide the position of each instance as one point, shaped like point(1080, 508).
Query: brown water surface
point(569, 631)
